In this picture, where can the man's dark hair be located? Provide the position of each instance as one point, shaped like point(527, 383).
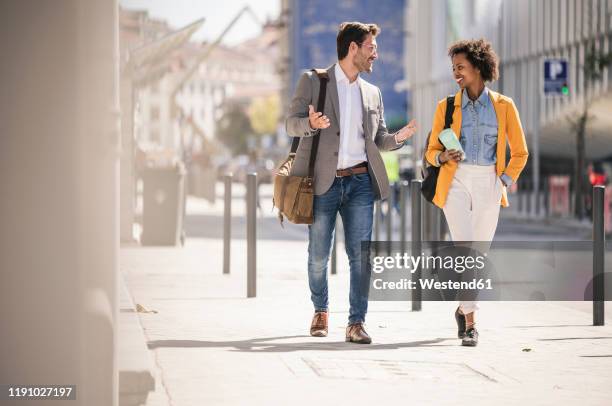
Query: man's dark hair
point(481, 55)
point(353, 32)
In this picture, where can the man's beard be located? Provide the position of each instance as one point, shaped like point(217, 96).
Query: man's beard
point(364, 66)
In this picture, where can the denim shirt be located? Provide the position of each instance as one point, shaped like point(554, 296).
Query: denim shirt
point(479, 131)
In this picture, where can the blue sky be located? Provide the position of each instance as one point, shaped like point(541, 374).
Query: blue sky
point(182, 12)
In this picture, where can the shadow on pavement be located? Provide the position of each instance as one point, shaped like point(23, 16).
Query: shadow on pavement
point(556, 325)
point(260, 345)
point(574, 338)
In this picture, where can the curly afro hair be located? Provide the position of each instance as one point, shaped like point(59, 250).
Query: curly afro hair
point(481, 55)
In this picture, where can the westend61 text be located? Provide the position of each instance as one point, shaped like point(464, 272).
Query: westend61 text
point(407, 284)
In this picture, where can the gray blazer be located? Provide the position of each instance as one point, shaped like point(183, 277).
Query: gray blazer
point(377, 136)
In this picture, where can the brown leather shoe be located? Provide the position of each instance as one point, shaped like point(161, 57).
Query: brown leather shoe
point(355, 333)
point(318, 327)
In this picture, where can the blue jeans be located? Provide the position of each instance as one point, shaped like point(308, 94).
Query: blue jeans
point(353, 197)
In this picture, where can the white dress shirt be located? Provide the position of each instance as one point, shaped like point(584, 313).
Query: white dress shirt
point(352, 142)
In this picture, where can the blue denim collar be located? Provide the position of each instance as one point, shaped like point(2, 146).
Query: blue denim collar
point(483, 99)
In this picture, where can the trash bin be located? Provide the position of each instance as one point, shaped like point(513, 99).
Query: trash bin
point(163, 205)
point(559, 194)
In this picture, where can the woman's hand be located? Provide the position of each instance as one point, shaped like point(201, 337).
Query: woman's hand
point(448, 155)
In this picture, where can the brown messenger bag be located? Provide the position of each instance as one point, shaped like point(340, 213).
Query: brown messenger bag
point(294, 195)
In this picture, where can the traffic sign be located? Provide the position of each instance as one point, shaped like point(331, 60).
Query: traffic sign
point(556, 75)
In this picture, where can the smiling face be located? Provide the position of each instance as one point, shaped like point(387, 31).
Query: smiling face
point(365, 55)
point(465, 73)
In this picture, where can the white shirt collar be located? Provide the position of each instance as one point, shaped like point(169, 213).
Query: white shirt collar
point(340, 76)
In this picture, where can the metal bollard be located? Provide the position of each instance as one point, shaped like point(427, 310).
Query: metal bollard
point(334, 254)
point(599, 242)
point(538, 194)
point(227, 222)
point(404, 189)
point(376, 226)
point(529, 196)
point(546, 192)
point(251, 215)
point(389, 219)
point(416, 216)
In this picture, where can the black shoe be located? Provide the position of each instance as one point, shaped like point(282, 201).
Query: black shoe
point(471, 338)
point(460, 318)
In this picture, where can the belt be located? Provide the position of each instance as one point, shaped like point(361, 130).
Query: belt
point(353, 170)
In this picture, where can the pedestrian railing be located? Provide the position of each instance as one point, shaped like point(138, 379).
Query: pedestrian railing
point(227, 221)
point(419, 224)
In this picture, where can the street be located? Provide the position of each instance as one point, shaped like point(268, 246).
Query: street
point(211, 345)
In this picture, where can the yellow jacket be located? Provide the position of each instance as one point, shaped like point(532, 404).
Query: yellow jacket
point(509, 124)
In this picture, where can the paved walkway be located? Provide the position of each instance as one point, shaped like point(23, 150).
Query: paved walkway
point(213, 346)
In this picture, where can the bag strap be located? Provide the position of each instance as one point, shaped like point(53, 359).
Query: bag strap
point(323, 79)
point(294, 145)
point(450, 109)
point(448, 118)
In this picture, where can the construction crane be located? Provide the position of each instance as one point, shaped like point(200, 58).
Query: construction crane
point(205, 54)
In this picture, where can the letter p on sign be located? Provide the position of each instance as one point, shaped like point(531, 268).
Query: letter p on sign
point(556, 68)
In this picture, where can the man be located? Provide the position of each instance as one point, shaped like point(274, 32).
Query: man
point(349, 173)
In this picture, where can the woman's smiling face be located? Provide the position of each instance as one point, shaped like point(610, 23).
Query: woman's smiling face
point(464, 72)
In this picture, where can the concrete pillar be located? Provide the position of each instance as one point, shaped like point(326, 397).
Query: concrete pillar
point(127, 177)
point(59, 173)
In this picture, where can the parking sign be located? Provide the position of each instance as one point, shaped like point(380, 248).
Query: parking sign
point(556, 77)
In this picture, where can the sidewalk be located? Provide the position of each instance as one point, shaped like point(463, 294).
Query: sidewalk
point(211, 345)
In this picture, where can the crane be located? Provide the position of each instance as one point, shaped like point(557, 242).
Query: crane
point(205, 54)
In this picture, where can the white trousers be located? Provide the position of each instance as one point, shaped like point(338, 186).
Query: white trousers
point(472, 209)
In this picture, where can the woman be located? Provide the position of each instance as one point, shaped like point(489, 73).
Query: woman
point(471, 188)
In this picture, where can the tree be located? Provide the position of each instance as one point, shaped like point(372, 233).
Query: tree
point(264, 113)
point(595, 62)
point(235, 128)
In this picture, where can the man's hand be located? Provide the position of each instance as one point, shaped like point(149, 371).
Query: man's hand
point(317, 120)
point(408, 131)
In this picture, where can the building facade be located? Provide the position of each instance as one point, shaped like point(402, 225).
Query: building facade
point(523, 33)
point(228, 74)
